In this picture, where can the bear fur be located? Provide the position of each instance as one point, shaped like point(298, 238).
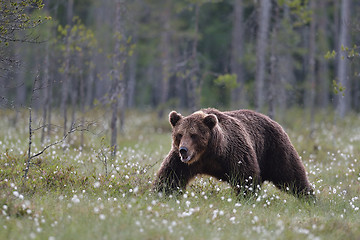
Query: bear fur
point(242, 147)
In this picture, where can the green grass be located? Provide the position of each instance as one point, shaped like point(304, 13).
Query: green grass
point(69, 196)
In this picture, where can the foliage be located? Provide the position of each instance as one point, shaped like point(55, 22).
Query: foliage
point(15, 18)
point(69, 195)
point(338, 88)
point(350, 53)
point(92, 47)
point(82, 42)
point(330, 55)
point(227, 80)
point(299, 9)
point(18, 19)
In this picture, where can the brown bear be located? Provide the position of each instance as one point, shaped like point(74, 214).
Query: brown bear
point(242, 147)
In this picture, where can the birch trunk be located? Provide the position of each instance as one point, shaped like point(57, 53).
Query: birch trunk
point(47, 89)
point(66, 75)
point(261, 48)
point(193, 82)
point(237, 55)
point(311, 72)
point(323, 73)
point(118, 86)
point(343, 62)
point(165, 57)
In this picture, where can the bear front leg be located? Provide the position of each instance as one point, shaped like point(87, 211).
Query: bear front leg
point(246, 187)
point(245, 178)
point(299, 188)
point(173, 174)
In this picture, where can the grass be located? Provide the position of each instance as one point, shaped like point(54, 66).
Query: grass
point(69, 196)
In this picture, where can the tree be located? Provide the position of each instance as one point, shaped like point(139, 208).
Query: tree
point(237, 54)
point(193, 82)
point(15, 23)
point(343, 104)
point(49, 30)
point(79, 47)
point(121, 52)
point(165, 55)
point(261, 48)
point(323, 75)
point(188, 54)
point(47, 93)
point(311, 72)
point(274, 73)
point(14, 18)
point(66, 74)
point(132, 69)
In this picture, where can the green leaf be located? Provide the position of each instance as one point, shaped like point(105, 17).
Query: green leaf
point(338, 88)
point(330, 55)
point(227, 80)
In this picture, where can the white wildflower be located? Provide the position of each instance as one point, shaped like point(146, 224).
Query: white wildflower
point(96, 210)
point(75, 199)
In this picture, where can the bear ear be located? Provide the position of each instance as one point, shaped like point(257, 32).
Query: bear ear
point(211, 121)
point(174, 117)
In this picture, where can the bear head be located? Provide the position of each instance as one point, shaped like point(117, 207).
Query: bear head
point(191, 134)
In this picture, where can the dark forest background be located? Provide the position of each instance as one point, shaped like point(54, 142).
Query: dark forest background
point(152, 54)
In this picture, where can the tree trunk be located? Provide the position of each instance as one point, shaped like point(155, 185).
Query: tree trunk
point(311, 72)
point(74, 85)
point(82, 102)
point(114, 117)
point(237, 55)
point(90, 85)
point(323, 73)
point(66, 75)
point(132, 81)
point(118, 89)
point(274, 72)
point(47, 87)
point(193, 82)
point(355, 101)
point(70, 11)
point(20, 82)
point(20, 53)
point(165, 56)
point(65, 83)
point(343, 62)
point(49, 110)
point(261, 48)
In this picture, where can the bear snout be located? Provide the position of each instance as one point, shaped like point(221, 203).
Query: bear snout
point(183, 151)
point(184, 154)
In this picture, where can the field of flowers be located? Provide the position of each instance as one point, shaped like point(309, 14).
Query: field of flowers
point(76, 191)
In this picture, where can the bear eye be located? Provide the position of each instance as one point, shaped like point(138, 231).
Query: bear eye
point(178, 137)
point(193, 136)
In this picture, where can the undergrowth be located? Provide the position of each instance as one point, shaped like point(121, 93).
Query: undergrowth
point(70, 192)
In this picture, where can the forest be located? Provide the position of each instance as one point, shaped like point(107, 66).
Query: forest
point(265, 55)
point(85, 91)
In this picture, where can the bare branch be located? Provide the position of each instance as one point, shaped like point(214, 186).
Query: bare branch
point(79, 128)
point(74, 128)
point(43, 126)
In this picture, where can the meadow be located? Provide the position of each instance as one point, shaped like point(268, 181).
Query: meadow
point(80, 192)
